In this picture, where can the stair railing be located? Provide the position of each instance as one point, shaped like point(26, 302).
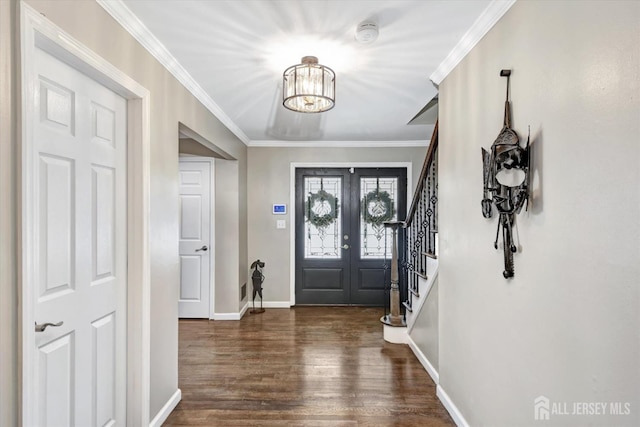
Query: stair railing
point(421, 226)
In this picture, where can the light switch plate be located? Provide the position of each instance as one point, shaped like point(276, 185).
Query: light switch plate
point(281, 223)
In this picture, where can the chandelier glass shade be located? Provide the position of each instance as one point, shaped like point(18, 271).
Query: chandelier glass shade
point(309, 87)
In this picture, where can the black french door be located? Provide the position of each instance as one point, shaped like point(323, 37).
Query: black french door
point(341, 242)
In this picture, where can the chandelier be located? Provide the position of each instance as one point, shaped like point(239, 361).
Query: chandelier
point(309, 87)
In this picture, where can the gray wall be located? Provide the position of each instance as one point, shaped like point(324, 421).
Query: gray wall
point(566, 326)
point(230, 270)
point(190, 147)
point(425, 329)
point(270, 182)
point(170, 103)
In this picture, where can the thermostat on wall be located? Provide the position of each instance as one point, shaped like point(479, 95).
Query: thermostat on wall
point(279, 209)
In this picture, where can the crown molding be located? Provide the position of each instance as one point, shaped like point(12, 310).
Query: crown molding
point(339, 144)
point(130, 22)
point(482, 25)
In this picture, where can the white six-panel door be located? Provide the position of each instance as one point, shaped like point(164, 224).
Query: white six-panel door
point(195, 235)
point(79, 223)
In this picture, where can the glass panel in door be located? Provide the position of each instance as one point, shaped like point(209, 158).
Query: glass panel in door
point(323, 218)
point(381, 195)
point(322, 230)
point(379, 198)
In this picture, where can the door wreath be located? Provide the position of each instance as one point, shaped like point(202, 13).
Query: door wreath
point(377, 208)
point(322, 209)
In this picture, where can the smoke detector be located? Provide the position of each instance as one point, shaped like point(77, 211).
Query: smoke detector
point(367, 32)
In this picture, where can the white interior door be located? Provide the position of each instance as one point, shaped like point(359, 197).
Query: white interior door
point(76, 203)
point(196, 251)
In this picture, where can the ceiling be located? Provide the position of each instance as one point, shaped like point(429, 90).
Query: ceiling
point(232, 55)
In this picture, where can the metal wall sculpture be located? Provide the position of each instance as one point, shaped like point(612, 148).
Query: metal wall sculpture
point(257, 278)
point(506, 182)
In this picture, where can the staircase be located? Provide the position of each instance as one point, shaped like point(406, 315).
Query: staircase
point(416, 267)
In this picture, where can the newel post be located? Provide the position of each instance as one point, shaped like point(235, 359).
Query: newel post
point(395, 317)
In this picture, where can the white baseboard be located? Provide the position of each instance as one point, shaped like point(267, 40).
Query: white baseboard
point(226, 316)
point(244, 310)
point(231, 316)
point(168, 407)
point(451, 407)
point(431, 370)
point(271, 304)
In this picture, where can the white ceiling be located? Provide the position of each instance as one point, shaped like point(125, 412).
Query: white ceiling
point(234, 53)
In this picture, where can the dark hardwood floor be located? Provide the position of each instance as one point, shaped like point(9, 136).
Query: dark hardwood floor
point(308, 366)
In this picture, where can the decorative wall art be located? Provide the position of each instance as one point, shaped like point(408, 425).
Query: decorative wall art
point(257, 278)
point(506, 182)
